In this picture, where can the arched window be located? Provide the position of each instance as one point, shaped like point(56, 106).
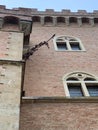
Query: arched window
point(68, 43)
point(95, 21)
point(11, 22)
point(48, 20)
point(60, 20)
point(36, 19)
point(73, 20)
point(85, 20)
point(80, 84)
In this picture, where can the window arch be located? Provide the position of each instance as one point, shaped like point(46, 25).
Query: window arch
point(11, 22)
point(80, 84)
point(36, 19)
point(60, 20)
point(96, 21)
point(73, 20)
point(48, 19)
point(72, 79)
point(68, 43)
point(85, 20)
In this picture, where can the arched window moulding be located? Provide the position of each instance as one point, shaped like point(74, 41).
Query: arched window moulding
point(68, 43)
point(80, 84)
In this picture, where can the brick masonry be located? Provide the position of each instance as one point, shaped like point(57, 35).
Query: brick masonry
point(43, 77)
point(45, 69)
point(59, 116)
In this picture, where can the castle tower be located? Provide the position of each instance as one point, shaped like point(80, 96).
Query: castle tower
point(59, 85)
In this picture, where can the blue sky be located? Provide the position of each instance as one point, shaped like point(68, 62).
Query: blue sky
point(57, 5)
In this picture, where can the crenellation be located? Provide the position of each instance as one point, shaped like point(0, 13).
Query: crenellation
point(34, 10)
point(49, 10)
point(95, 11)
point(25, 10)
point(15, 9)
point(80, 17)
point(82, 12)
point(66, 11)
point(2, 7)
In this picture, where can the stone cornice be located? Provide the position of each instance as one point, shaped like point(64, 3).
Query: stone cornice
point(60, 99)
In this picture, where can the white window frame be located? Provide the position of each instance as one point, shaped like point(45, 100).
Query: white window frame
point(79, 81)
point(66, 40)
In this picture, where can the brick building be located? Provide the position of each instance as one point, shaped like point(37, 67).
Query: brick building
point(56, 88)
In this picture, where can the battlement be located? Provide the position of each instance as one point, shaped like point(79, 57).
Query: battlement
point(29, 11)
point(52, 17)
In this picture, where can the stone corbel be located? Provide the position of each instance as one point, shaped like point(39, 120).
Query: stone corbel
point(1, 23)
point(26, 27)
point(42, 20)
point(91, 21)
point(79, 21)
point(54, 21)
point(67, 21)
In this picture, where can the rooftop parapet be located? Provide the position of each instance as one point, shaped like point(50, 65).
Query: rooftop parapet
point(2, 7)
point(82, 12)
point(30, 11)
point(49, 17)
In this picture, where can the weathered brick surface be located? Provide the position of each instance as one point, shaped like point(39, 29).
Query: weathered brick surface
point(59, 116)
point(45, 69)
point(10, 45)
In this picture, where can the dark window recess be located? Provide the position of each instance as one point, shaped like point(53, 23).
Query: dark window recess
point(72, 79)
point(26, 39)
point(73, 20)
point(36, 19)
point(11, 20)
point(85, 20)
point(89, 79)
point(92, 89)
point(61, 46)
point(48, 19)
point(75, 46)
point(23, 93)
point(75, 90)
point(96, 20)
point(60, 20)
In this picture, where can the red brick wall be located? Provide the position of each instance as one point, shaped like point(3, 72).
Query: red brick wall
point(45, 69)
point(59, 116)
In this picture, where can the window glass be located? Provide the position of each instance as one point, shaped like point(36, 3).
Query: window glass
point(75, 90)
point(61, 46)
point(92, 89)
point(79, 84)
point(75, 46)
point(67, 43)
